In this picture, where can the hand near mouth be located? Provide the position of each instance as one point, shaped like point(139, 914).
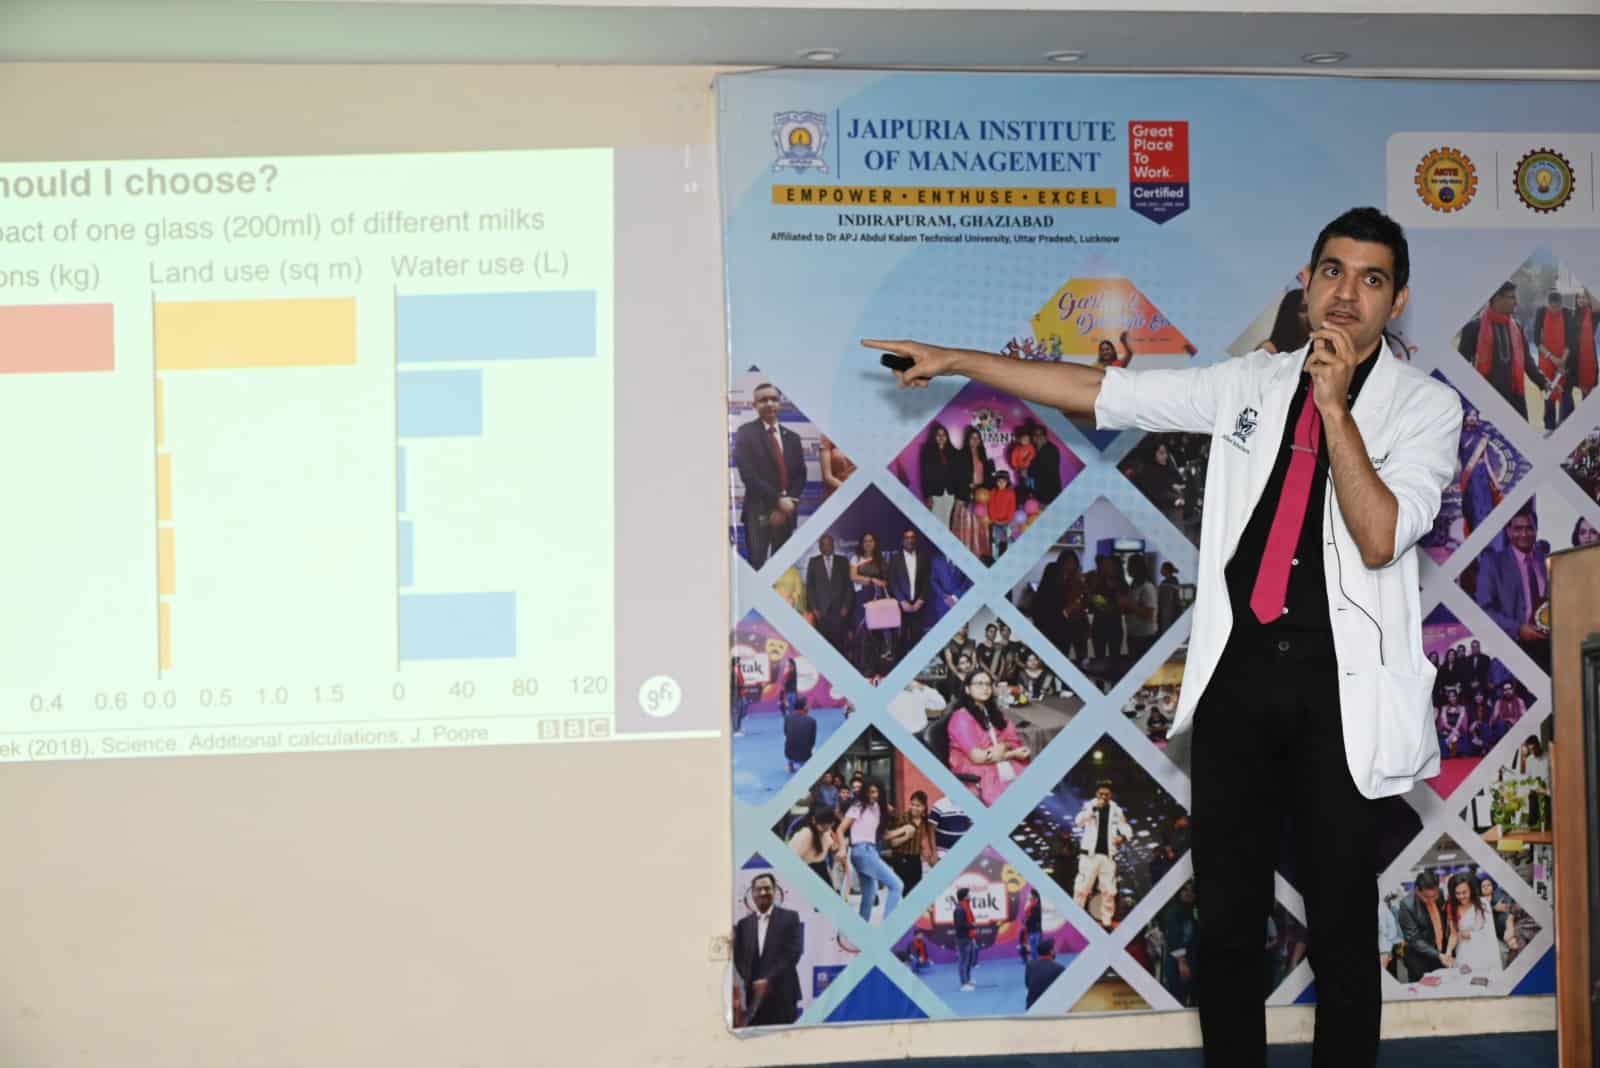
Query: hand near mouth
point(1331, 363)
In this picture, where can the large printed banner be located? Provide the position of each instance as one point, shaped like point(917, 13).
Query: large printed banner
point(1150, 223)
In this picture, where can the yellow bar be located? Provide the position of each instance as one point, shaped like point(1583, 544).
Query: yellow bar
point(930, 196)
point(166, 636)
point(166, 582)
point(206, 335)
point(164, 487)
point(161, 414)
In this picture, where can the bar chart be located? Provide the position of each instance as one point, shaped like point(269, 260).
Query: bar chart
point(343, 483)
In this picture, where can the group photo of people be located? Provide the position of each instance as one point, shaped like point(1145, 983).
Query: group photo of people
point(1449, 929)
point(986, 467)
point(990, 944)
point(1476, 699)
point(1170, 470)
point(1168, 948)
point(985, 705)
point(1153, 705)
point(781, 467)
point(1510, 579)
point(782, 709)
point(785, 953)
point(872, 825)
point(1490, 469)
point(872, 584)
point(1533, 340)
point(1103, 594)
point(1106, 833)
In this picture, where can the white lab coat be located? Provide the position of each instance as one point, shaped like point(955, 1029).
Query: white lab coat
point(1410, 424)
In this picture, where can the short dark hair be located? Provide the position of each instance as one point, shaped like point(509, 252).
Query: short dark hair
point(765, 875)
point(765, 385)
point(1003, 474)
point(1506, 287)
point(1372, 225)
point(1427, 880)
point(1103, 784)
point(961, 893)
point(1047, 947)
point(1554, 298)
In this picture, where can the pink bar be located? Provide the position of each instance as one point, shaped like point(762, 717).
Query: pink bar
point(49, 338)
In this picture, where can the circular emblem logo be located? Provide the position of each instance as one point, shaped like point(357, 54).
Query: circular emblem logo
point(1543, 180)
point(1446, 179)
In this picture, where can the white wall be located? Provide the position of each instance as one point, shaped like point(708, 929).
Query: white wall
point(510, 906)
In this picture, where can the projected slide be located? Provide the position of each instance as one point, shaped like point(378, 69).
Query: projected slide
point(306, 453)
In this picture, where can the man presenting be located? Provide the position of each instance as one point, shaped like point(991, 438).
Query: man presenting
point(1307, 691)
point(766, 950)
point(772, 466)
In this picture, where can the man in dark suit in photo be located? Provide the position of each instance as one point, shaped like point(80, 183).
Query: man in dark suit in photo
point(829, 592)
point(767, 945)
point(1555, 335)
point(1513, 583)
point(1041, 971)
point(1046, 467)
point(1478, 667)
point(1425, 927)
point(909, 583)
point(799, 736)
point(772, 465)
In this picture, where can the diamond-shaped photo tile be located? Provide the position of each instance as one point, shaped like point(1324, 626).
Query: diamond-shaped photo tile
point(1456, 931)
point(1153, 705)
point(1512, 814)
point(1104, 321)
point(1582, 465)
point(806, 952)
point(780, 465)
point(1105, 833)
point(990, 944)
point(1096, 594)
point(1477, 700)
point(1167, 947)
point(1170, 470)
point(1533, 340)
point(985, 467)
point(873, 584)
point(1283, 324)
point(985, 706)
point(1510, 578)
point(1110, 993)
point(783, 709)
point(1490, 468)
point(872, 825)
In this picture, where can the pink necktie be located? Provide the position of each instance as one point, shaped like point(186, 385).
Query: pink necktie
point(1272, 581)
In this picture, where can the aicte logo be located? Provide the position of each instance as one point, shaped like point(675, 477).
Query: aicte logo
point(1543, 180)
point(1446, 179)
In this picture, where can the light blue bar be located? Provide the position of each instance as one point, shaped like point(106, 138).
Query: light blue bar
point(458, 626)
point(408, 549)
point(441, 404)
point(400, 481)
point(444, 327)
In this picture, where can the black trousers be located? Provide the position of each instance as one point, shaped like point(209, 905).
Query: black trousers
point(1267, 745)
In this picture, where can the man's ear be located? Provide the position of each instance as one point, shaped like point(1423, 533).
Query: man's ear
point(1400, 299)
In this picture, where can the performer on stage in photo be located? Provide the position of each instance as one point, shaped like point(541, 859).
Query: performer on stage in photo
point(1306, 683)
point(1102, 832)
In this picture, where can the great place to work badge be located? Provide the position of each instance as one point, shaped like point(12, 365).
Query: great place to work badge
point(1158, 169)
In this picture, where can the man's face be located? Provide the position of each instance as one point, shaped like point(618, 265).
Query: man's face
point(1504, 303)
point(1522, 532)
point(1476, 649)
point(825, 543)
point(1430, 895)
point(908, 541)
point(1103, 795)
point(761, 893)
point(767, 402)
point(1352, 288)
point(1038, 437)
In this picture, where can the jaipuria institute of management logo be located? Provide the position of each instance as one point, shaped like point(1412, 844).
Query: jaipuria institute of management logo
point(1543, 180)
point(801, 138)
point(1446, 179)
